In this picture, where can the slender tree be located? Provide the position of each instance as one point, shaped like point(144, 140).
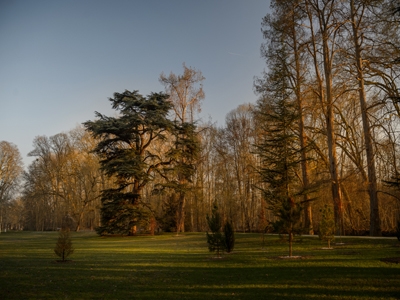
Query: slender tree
point(64, 247)
point(280, 151)
point(11, 168)
point(327, 226)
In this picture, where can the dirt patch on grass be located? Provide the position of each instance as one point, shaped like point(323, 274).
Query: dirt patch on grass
point(218, 258)
point(324, 248)
point(291, 257)
point(392, 260)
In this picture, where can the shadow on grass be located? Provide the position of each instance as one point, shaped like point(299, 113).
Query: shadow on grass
point(168, 268)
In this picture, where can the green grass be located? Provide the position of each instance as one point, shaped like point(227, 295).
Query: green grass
point(169, 267)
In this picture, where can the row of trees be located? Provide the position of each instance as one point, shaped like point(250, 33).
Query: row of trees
point(323, 132)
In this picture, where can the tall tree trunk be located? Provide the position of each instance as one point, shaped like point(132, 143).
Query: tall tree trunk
point(326, 99)
point(375, 222)
point(180, 226)
point(302, 136)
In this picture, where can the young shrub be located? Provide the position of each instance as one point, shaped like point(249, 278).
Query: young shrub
point(288, 212)
point(263, 224)
point(215, 239)
point(229, 234)
point(64, 245)
point(327, 226)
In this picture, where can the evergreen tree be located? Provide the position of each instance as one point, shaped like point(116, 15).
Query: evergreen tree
point(215, 239)
point(180, 173)
point(327, 226)
point(63, 247)
point(263, 223)
point(169, 216)
point(125, 151)
point(279, 149)
point(229, 236)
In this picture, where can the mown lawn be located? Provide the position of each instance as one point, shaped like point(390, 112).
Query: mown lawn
point(170, 267)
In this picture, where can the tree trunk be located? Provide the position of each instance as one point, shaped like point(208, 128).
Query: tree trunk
point(336, 192)
point(180, 226)
point(375, 222)
point(326, 104)
point(290, 243)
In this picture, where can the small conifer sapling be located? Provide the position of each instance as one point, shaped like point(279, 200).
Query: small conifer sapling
point(263, 223)
point(215, 239)
point(64, 245)
point(327, 226)
point(229, 237)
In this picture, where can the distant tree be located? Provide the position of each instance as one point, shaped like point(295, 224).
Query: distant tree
point(11, 167)
point(229, 236)
point(215, 239)
point(126, 154)
point(186, 93)
point(64, 245)
point(327, 226)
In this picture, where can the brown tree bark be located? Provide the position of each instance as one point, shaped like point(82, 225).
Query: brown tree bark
point(375, 222)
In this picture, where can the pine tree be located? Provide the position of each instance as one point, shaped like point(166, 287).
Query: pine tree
point(327, 226)
point(229, 236)
point(215, 239)
point(64, 245)
point(279, 149)
point(126, 155)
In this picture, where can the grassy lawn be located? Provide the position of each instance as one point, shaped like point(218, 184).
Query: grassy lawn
point(169, 267)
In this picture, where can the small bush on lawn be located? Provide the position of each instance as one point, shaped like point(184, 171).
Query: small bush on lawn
point(64, 245)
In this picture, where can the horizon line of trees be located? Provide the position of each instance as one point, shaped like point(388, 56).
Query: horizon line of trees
point(324, 131)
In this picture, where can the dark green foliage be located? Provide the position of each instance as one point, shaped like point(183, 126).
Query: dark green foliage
point(279, 150)
point(263, 224)
point(63, 247)
point(215, 239)
point(178, 175)
point(169, 213)
point(394, 183)
point(183, 157)
point(125, 154)
point(327, 226)
point(229, 235)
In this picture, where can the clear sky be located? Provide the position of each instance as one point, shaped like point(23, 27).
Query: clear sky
point(60, 60)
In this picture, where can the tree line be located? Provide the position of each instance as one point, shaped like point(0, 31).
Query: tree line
point(323, 132)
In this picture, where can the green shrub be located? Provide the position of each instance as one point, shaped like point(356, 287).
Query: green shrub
point(215, 239)
point(229, 237)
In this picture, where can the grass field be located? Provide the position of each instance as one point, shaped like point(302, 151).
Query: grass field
point(170, 267)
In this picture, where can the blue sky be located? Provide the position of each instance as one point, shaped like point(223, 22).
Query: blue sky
point(61, 60)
